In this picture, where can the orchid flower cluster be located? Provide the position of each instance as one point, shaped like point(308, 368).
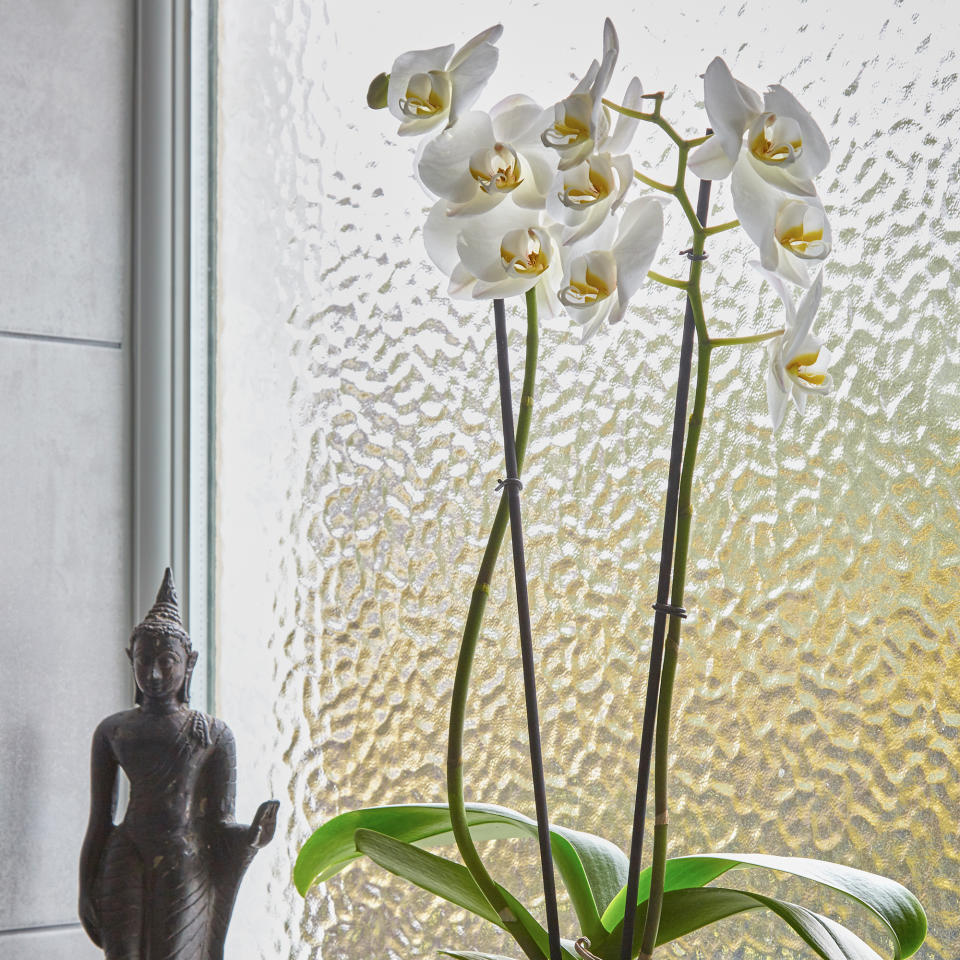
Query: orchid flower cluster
point(537, 202)
point(539, 198)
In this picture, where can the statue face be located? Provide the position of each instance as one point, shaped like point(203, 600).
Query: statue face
point(160, 666)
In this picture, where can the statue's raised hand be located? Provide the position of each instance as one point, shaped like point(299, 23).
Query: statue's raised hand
point(264, 824)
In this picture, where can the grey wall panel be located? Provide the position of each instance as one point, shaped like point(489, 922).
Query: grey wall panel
point(48, 945)
point(64, 584)
point(65, 132)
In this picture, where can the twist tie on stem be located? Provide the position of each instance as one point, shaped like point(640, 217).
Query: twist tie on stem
point(509, 481)
point(582, 946)
point(671, 609)
point(690, 255)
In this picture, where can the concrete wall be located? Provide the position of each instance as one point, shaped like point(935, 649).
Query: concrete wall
point(66, 82)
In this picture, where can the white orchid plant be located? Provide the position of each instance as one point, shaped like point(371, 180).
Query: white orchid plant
point(536, 201)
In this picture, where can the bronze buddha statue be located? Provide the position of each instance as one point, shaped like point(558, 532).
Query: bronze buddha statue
point(161, 884)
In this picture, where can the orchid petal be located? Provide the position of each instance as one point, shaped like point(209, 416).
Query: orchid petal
point(440, 238)
point(731, 106)
point(624, 167)
point(777, 399)
point(755, 204)
point(626, 127)
point(470, 76)
point(806, 314)
point(506, 286)
point(783, 178)
point(461, 283)
point(516, 119)
point(641, 230)
point(709, 161)
point(486, 37)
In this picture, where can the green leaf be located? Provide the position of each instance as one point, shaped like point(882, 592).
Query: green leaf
point(687, 910)
point(445, 879)
point(473, 955)
point(592, 869)
point(896, 907)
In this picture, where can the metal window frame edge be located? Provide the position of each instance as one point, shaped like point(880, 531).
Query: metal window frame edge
point(172, 331)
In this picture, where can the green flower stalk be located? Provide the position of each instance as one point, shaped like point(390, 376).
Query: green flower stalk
point(468, 646)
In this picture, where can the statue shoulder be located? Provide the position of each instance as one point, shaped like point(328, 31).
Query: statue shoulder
point(220, 732)
point(108, 727)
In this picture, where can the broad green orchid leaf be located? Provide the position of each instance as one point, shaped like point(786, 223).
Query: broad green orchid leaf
point(473, 955)
point(692, 909)
point(445, 879)
point(592, 869)
point(441, 877)
point(892, 903)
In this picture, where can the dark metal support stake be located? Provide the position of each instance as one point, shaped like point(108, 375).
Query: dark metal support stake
point(513, 485)
point(662, 605)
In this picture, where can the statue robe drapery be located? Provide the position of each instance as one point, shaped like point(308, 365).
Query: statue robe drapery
point(169, 873)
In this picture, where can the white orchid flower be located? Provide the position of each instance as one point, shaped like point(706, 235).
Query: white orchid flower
point(483, 159)
point(787, 230)
point(583, 196)
point(502, 253)
point(784, 143)
point(798, 361)
point(429, 87)
point(598, 285)
point(581, 123)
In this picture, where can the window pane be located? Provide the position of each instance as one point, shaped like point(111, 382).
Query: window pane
point(817, 703)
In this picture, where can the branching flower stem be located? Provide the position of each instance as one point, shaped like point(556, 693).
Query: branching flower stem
point(468, 645)
point(746, 338)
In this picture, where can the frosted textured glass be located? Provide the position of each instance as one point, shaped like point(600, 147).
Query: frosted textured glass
point(817, 702)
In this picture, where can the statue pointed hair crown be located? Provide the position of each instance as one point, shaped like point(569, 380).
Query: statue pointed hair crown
point(167, 605)
point(164, 615)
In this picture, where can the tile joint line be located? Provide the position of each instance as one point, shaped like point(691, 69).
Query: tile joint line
point(53, 338)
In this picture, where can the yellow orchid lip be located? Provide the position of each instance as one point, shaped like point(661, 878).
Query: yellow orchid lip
point(565, 132)
point(807, 246)
point(423, 98)
point(584, 293)
point(532, 258)
point(593, 189)
point(777, 140)
point(796, 367)
point(497, 169)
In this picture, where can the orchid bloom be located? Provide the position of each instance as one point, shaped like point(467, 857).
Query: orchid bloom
point(484, 159)
point(428, 87)
point(581, 123)
point(787, 229)
point(598, 285)
point(784, 143)
point(503, 253)
point(798, 361)
point(583, 196)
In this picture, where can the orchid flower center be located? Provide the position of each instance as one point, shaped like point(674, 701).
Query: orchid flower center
point(776, 139)
point(523, 252)
point(427, 94)
point(496, 168)
point(584, 186)
point(592, 278)
point(798, 369)
point(571, 123)
point(799, 228)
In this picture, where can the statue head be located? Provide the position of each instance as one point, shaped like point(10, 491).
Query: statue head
point(160, 649)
